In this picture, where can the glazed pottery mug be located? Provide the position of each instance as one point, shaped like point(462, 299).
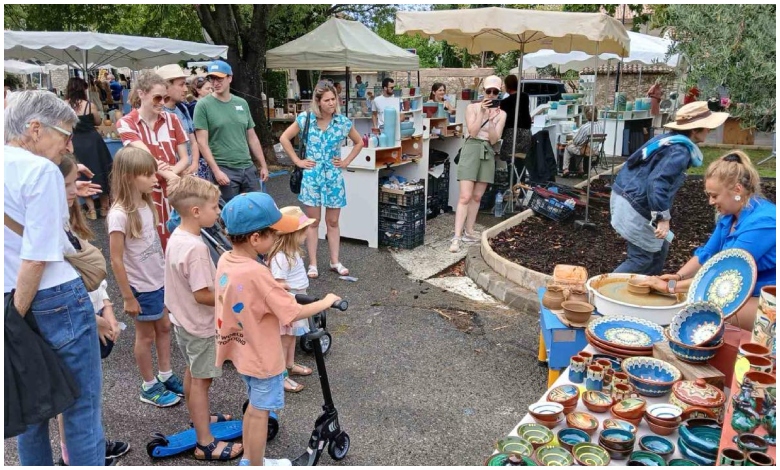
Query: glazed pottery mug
point(732, 457)
point(753, 349)
point(594, 378)
point(760, 363)
point(606, 364)
point(577, 368)
point(759, 459)
point(619, 378)
point(587, 356)
point(751, 443)
point(622, 391)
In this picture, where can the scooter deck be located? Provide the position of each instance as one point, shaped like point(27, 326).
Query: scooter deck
point(186, 440)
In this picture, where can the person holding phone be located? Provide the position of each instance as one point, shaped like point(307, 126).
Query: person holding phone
point(477, 166)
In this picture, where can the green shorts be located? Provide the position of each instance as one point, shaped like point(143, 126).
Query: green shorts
point(199, 353)
point(477, 162)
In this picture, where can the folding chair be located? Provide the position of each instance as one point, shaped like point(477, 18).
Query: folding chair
point(598, 157)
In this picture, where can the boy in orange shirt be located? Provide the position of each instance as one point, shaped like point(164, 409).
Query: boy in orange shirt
point(250, 307)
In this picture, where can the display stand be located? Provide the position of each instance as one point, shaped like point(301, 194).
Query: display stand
point(614, 143)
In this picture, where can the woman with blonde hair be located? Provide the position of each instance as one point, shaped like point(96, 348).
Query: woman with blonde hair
point(323, 184)
point(746, 220)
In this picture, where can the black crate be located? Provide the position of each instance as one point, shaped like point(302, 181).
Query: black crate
point(434, 207)
point(397, 234)
point(551, 208)
point(406, 199)
point(407, 214)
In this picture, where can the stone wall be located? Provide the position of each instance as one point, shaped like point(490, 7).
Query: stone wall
point(631, 85)
point(453, 79)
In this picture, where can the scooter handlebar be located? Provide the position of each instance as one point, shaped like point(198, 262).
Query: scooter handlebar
point(308, 299)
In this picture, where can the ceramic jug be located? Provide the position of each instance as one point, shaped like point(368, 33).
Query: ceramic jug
point(554, 297)
point(764, 327)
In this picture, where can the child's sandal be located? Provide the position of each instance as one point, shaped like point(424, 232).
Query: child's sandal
point(339, 268)
point(292, 386)
point(226, 454)
point(299, 370)
point(312, 273)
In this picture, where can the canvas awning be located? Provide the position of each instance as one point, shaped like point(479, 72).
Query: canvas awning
point(80, 48)
point(338, 44)
point(21, 68)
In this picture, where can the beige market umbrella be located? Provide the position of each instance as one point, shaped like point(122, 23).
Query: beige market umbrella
point(505, 29)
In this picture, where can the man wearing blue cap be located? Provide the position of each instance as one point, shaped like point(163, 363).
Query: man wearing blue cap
point(226, 133)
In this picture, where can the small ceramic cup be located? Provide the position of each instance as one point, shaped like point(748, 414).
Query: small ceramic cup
point(587, 356)
point(594, 378)
point(732, 457)
point(620, 378)
point(577, 366)
point(622, 391)
point(753, 349)
point(606, 364)
point(760, 363)
point(759, 459)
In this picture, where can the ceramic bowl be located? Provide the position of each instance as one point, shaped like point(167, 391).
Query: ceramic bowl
point(682, 463)
point(618, 439)
point(630, 408)
point(619, 424)
point(590, 455)
point(507, 459)
point(760, 380)
point(536, 434)
point(566, 395)
point(759, 459)
point(407, 132)
point(692, 354)
point(515, 445)
point(553, 456)
point(634, 421)
point(667, 423)
point(751, 443)
point(597, 402)
point(698, 324)
point(657, 445)
point(576, 311)
point(626, 332)
point(662, 430)
point(584, 421)
point(569, 437)
point(545, 411)
point(407, 125)
point(703, 440)
point(611, 350)
point(551, 424)
point(650, 376)
point(665, 412)
point(694, 456)
point(615, 454)
point(649, 459)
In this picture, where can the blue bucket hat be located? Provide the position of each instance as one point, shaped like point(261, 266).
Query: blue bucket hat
point(219, 68)
point(250, 212)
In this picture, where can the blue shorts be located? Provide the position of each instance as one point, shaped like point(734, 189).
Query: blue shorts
point(265, 394)
point(152, 304)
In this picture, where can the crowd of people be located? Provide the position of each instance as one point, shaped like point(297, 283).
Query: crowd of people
point(180, 163)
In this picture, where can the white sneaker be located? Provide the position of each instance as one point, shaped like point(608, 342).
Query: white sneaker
point(470, 239)
point(277, 462)
point(455, 245)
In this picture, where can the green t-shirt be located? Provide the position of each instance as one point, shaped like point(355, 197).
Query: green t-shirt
point(227, 123)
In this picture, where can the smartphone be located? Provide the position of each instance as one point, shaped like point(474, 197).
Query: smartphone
point(495, 103)
point(669, 234)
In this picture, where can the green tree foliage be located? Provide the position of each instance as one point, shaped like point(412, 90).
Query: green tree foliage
point(733, 46)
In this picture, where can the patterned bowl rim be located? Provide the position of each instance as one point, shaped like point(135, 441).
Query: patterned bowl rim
point(575, 431)
point(731, 252)
point(537, 427)
point(676, 374)
point(588, 393)
point(517, 439)
point(655, 406)
point(623, 319)
point(549, 448)
point(668, 336)
point(594, 448)
point(699, 305)
point(618, 420)
point(656, 438)
point(551, 404)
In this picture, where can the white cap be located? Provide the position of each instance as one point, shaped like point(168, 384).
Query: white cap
point(493, 81)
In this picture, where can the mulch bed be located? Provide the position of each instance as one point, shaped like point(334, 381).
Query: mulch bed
point(539, 243)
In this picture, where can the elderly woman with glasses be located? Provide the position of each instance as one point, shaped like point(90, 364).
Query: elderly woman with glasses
point(477, 166)
point(152, 129)
point(38, 131)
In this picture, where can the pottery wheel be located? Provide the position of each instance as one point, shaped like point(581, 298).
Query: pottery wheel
point(619, 291)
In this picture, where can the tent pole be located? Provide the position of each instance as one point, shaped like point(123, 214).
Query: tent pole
point(338, 98)
point(514, 132)
point(586, 223)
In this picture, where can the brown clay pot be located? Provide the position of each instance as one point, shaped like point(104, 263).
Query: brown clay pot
point(578, 295)
point(554, 297)
point(577, 312)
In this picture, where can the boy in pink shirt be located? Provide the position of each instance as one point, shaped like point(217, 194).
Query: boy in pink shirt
point(250, 308)
point(189, 295)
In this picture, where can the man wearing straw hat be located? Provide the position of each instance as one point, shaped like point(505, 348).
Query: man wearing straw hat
point(644, 190)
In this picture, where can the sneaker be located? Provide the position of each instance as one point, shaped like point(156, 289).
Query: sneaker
point(116, 448)
point(110, 462)
point(173, 384)
point(455, 245)
point(277, 462)
point(159, 396)
point(473, 238)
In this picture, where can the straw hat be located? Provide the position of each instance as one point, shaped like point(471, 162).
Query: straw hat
point(171, 72)
point(696, 115)
point(295, 211)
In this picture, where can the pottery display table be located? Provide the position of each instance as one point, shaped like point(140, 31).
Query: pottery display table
point(557, 342)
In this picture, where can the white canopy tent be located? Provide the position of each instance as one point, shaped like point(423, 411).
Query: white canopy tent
point(21, 68)
point(505, 29)
point(82, 49)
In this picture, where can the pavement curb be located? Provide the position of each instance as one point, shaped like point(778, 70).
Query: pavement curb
point(504, 290)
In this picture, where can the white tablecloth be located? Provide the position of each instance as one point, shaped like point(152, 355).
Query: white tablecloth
point(642, 429)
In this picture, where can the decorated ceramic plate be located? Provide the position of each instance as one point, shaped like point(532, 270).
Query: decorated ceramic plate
point(626, 332)
point(726, 280)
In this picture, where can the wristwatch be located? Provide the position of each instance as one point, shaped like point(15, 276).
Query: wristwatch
point(670, 285)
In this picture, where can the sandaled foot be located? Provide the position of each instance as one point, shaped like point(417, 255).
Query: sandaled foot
point(223, 450)
point(339, 268)
point(299, 370)
point(292, 386)
point(312, 272)
point(470, 238)
point(455, 245)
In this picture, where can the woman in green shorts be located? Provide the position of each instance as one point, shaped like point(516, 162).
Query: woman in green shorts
point(477, 165)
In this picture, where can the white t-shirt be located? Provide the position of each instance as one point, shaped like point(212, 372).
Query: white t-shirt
point(295, 275)
point(35, 198)
point(144, 255)
point(380, 103)
point(98, 296)
point(188, 269)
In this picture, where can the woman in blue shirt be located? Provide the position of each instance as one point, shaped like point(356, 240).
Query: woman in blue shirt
point(746, 221)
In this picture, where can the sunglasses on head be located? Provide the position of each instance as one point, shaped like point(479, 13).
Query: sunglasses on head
point(492, 91)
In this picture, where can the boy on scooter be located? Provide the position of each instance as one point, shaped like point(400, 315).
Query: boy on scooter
point(250, 307)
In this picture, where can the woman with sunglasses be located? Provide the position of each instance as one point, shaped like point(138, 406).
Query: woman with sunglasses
point(745, 220)
point(152, 129)
point(88, 144)
point(477, 166)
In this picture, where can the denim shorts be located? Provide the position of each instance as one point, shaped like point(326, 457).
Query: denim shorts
point(265, 394)
point(152, 304)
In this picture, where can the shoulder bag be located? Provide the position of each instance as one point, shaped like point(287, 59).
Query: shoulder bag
point(297, 175)
point(88, 261)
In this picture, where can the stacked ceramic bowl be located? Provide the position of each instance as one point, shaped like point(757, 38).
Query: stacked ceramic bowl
point(566, 395)
point(663, 419)
point(623, 336)
point(618, 443)
point(699, 440)
point(651, 377)
point(696, 332)
point(630, 409)
point(548, 414)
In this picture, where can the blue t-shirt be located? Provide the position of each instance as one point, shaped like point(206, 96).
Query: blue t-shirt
point(116, 91)
point(755, 232)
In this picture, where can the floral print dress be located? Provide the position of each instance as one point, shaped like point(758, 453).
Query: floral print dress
point(323, 185)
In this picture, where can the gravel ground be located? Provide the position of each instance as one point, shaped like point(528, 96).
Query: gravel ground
point(420, 376)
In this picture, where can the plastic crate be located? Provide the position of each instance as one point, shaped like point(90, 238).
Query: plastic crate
point(402, 198)
point(399, 234)
point(550, 207)
point(434, 207)
point(407, 214)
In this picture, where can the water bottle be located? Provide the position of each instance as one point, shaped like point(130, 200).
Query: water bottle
point(498, 209)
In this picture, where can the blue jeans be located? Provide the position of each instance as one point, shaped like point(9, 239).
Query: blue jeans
point(644, 262)
point(67, 322)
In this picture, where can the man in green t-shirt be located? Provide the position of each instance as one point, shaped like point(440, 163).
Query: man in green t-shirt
point(226, 134)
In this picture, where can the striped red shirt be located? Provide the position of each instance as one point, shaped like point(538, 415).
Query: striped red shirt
point(163, 141)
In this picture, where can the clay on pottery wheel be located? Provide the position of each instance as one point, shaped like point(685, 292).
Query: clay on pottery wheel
point(618, 290)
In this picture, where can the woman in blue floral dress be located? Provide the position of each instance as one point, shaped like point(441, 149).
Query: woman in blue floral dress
point(323, 184)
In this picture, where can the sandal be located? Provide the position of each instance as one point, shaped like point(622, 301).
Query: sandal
point(312, 273)
point(455, 245)
point(226, 454)
point(292, 386)
point(339, 268)
point(299, 370)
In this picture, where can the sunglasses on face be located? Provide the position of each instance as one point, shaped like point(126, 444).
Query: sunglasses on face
point(492, 91)
point(157, 99)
